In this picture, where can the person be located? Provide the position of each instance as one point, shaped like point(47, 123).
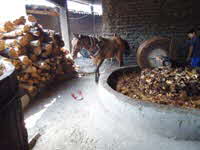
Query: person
point(194, 49)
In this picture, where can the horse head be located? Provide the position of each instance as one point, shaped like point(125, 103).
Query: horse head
point(76, 45)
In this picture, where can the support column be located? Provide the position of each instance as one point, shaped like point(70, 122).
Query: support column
point(93, 19)
point(64, 25)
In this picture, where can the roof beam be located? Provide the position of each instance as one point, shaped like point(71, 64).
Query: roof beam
point(87, 2)
point(60, 2)
point(81, 2)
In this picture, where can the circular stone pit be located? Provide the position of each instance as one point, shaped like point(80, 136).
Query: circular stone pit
point(167, 121)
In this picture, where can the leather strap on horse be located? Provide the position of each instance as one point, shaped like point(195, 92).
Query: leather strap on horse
point(95, 46)
point(91, 42)
point(97, 52)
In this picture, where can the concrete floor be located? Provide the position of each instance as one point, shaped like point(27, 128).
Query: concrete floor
point(67, 124)
point(87, 66)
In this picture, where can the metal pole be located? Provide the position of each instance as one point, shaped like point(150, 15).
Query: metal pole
point(93, 18)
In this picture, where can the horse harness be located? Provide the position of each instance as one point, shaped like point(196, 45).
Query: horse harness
point(94, 46)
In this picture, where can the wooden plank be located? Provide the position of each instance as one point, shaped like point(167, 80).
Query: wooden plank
point(43, 12)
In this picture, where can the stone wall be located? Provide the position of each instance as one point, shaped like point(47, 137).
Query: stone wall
point(139, 20)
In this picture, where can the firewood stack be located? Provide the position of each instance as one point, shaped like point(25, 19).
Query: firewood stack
point(2, 68)
point(36, 53)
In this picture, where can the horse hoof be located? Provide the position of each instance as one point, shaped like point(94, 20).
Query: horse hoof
point(97, 80)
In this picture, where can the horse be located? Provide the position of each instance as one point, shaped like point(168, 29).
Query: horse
point(100, 49)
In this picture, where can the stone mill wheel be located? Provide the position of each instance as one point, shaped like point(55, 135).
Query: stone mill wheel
point(148, 50)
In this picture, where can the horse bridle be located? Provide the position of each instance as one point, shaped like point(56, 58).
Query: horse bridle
point(79, 48)
point(92, 42)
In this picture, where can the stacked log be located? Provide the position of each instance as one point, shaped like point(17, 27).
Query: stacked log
point(2, 68)
point(37, 54)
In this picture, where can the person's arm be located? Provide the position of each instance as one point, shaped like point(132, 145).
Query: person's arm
point(191, 43)
point(190, 53)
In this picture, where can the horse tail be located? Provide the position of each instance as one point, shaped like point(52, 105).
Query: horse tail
point(127, 48)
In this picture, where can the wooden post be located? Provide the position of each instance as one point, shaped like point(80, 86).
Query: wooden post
point(64, 25)
point(93, 18)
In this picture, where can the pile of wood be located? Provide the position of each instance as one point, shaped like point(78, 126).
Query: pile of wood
point(2, 68)
point(175, 84)
point(37, 54)
point(171, 86)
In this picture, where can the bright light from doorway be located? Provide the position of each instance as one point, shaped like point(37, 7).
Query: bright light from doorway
point(78, 7)
point(98, 9)
point(10, 9)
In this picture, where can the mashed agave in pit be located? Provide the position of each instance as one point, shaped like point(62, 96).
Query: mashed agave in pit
point(168, 86)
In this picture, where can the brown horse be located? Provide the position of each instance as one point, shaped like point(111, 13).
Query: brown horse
point(100, 49)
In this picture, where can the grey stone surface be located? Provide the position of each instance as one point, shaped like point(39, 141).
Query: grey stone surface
point(86, 65)
point(163, 120)
point(66, 124)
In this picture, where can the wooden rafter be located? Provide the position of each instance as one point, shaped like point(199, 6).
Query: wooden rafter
point(42, 12)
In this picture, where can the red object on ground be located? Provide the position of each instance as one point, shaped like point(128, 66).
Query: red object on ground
point(78, 97)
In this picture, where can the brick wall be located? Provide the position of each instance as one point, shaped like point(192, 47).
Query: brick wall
point(139, 20)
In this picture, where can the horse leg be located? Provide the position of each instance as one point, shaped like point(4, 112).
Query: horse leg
point(97, 74)
point(119, 58)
